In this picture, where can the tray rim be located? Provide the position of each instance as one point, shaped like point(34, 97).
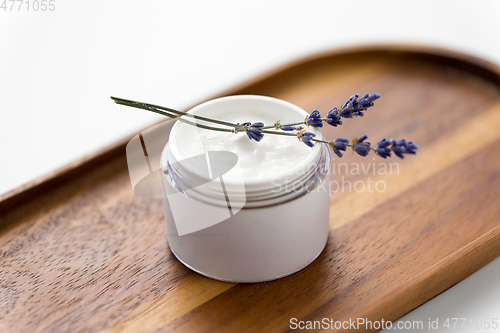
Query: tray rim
point(488, 70)
point(432, 281)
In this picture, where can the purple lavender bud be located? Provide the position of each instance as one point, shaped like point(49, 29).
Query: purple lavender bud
point(399, 151)
point(363, 138)
point(402, 147)
point(314, 119)
point(291, 128)
point(382, 148)
point(383, 152)
point(384, 143)
point(307, 138)
point(362, 150)
point(401, 143)
point(254, 131)
point(399, 147)
point(333, 117)
point(411, 148)
point(355, 106)
point(352, 107)
point(351, 102)
point(338, 145)
point(346, 113)
point(355, 103)
point(360, 147)
point(367, 100)
point(374, 97)
point(345, 104)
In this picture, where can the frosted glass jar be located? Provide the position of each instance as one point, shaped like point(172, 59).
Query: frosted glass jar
point(244, 211)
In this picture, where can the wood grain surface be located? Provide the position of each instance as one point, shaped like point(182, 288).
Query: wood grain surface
point(79, 252)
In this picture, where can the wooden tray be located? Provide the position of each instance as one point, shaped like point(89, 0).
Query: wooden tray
point(80, 252)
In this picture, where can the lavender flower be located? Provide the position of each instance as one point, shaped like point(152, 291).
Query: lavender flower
point(398, 150)
point(314, 119)
point(382, 149)
point(367, 100)
point(291, 128)
point(402, 147)
point(355, 106)
point(361, 147)
point(411, 148)
point(306, 137)
point(254, 131)
point(338, 145)
point(333, 117)
point(352, 108)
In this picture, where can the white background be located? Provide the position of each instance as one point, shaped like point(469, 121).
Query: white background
point(58, 69)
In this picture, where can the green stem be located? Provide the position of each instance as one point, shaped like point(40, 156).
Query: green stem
point(181, 113)
point(279, 133)
point(173, 116)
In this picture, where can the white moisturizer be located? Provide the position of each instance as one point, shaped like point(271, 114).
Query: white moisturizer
point(260, 161)
point(264, 218)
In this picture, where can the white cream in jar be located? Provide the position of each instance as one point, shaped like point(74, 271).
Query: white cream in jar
point(267, 216)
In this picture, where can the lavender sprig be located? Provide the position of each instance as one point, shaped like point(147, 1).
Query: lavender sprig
point(353, 107)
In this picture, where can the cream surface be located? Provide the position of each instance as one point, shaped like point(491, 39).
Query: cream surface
point(260, 161)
